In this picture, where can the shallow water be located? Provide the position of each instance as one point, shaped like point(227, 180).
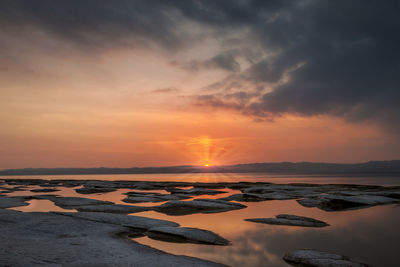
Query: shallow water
point(369, 235)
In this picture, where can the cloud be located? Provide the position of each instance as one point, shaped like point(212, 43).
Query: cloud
point(334, 58)
point(225, 61)
point(310, 57)
point(99, 24)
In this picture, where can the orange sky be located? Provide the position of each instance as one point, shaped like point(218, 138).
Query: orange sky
point(78, 111)
point(68, 104)
point(74, 111)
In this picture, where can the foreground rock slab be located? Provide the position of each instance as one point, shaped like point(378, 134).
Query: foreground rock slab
point(119, 219)
point(49, 239)
point(290, 220)
point(314, 258)
point(177, 207)
point(186, 235)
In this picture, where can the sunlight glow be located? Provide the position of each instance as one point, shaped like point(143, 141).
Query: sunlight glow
point(207, 151)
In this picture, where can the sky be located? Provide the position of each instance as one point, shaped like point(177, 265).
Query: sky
point(159, 83)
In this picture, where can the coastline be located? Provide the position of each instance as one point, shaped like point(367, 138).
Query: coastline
point(94, 223)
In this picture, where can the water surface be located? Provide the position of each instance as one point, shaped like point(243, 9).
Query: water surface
point(229, 177)
point(370, 235)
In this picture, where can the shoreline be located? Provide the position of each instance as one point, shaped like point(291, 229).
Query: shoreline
point(87, 226)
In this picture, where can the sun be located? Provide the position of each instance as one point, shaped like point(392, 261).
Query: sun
point(206, 165)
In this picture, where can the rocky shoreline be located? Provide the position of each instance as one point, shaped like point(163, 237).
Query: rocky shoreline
point(96, 232)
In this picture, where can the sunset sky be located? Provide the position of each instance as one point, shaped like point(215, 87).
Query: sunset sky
point(156, 83)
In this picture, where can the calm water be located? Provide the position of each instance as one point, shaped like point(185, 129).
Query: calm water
point(227, 177)
point(370, 235)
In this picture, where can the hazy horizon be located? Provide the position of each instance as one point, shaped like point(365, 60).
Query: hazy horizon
point(202, 165)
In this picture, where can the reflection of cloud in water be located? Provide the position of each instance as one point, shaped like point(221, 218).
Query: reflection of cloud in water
point(246, 251)
point(370, 242)
point(369, 235)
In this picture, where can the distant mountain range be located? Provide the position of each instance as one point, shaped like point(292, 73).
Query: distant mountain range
point(371, 167)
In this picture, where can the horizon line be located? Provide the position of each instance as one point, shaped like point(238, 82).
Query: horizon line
point(203, 166)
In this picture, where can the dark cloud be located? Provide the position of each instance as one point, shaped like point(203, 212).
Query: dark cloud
point(96, 23)
point(101, 23)
point(226, 61)
point(339, 58)
point(327, 57)
point(350, 61)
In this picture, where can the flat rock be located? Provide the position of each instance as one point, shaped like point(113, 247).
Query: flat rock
point(186, 235)
point(195, 191)
point(258, 189)
point(243, 198)
point(94, 190)
point(49, 239)
point(10, 202)
point(210, 185)
point(44, 190)
point(119, 219)
point(176, 207)
point(72, 202)
point(142, 193)
point(314, 258)
point(290, 220)
point(13, 189)
point(310, 202)
point(114, 208)
point(243, 185)
point(148, 186)
point(340, 202)
point(253, 197)
point(167, 197)
point(329, 197)
point(142, 199)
